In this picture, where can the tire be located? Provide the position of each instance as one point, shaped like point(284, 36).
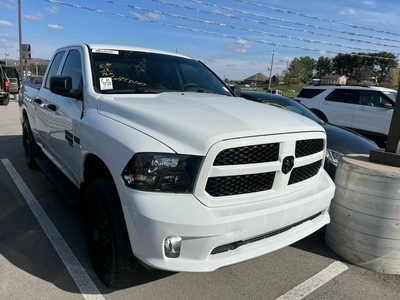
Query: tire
point(5, 101)
point(107, 237)
point(30, 148)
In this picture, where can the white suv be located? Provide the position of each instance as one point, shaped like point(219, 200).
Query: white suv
point(367, 110)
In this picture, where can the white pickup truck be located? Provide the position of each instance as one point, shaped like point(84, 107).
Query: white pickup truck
point(175, 171)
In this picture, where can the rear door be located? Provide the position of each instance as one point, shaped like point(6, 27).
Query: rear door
point(44, 99)
point(338, 106)
point(373, 113)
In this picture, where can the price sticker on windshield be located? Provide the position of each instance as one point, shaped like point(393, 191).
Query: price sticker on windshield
point(106, 83)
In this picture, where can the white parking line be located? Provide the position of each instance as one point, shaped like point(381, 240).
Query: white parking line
point(85, 284)
point(315, 282)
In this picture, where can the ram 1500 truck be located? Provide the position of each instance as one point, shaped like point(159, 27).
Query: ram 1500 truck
point(175, 171)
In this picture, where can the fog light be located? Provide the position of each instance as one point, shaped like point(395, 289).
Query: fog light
point(172, 246)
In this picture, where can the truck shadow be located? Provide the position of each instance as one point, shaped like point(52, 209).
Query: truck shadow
point(23, 242)
point(315, 243)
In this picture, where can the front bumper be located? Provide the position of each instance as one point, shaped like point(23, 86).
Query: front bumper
point(152, 217)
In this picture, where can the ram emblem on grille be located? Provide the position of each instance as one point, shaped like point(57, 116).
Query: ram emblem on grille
point(287, 164)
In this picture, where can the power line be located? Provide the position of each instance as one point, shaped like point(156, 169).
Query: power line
point(316, 18)
point(240, 28)
point(283, 20)
point(200, 30)
point(273, 25)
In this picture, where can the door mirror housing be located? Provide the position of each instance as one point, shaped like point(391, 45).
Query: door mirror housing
point(62, 85)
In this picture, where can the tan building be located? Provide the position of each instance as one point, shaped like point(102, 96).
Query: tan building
point(334, 79)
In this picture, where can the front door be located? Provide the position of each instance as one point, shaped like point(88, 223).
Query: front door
point(64, 120)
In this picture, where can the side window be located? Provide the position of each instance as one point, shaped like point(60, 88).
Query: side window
point(310, 93)
point(73, 68)
point(54, 67)
point(371, 98)
point(344, 96)
point(386, 101)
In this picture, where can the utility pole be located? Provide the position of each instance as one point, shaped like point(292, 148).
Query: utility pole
point(21, 73)
point(270, 70)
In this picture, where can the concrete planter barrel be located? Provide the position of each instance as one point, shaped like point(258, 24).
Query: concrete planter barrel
point(365, 214)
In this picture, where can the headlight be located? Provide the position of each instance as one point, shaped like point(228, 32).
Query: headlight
point(161, 172)
point(333, 156)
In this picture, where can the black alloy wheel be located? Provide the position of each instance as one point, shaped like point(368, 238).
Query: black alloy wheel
point(107, 237)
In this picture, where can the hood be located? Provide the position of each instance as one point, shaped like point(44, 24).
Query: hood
point(190, 123)
point(346, 141)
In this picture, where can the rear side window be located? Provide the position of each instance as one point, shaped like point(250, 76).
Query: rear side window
point(54, 67)
point(11, 72)
point(310, 93)
point(344, 96)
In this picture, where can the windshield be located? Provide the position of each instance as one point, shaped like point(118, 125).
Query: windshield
point(292, 105)
point(120, 71)
point(391, 95)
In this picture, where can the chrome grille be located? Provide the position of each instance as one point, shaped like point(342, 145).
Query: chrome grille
point(308, 147)
point(304, 172)
point(248, 155)
point(241, 184)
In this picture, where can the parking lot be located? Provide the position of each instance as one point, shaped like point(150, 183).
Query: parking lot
point(43, 253)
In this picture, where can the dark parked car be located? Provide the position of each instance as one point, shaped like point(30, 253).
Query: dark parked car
point(340, 141)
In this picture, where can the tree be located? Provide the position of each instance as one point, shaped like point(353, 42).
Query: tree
point(295, 70)
point(391, 79)
point(323, 66)
point(344, 64)
point(307, 68)
point(41, 69)
point(383, 63)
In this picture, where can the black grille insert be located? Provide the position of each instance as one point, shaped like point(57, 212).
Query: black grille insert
point(305, 172)
point(308, 147)
point(248, 155)
point(240, 184)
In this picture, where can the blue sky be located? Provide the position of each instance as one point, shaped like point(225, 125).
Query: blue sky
point(235, 38)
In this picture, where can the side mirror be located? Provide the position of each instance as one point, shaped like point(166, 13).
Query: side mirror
point(62, 85)
point(236, 90)
point(388, 105)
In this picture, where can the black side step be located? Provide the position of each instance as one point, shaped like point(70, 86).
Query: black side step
point(58, 180)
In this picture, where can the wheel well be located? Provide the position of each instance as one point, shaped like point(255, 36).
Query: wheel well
point(24, 116)
point(94, 168)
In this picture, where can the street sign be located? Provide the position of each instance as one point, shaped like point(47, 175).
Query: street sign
point(26, 51)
